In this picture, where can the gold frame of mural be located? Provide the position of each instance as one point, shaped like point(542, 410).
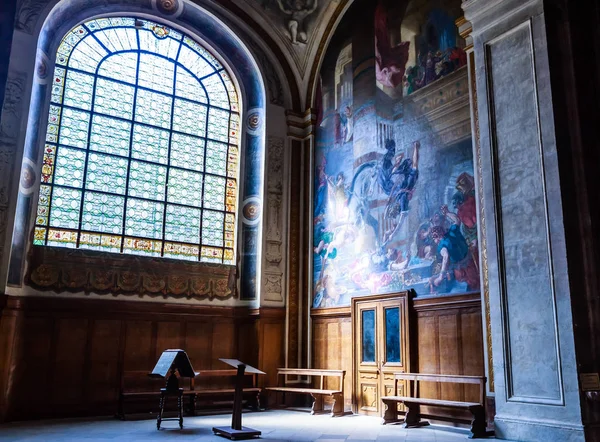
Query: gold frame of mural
point(75, 270)
point(482, 237)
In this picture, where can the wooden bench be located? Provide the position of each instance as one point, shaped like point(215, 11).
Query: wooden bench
point(413, 415)
point(318, 394)
point(138, 385)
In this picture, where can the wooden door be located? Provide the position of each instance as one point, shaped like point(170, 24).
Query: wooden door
point(380, 346)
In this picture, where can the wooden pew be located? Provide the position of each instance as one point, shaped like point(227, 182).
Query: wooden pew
point(318, 394)
point(413, 415)
point(136, 384)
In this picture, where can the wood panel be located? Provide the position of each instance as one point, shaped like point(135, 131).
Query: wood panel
point(332, 345)
point(446, 337)
point(449, 341)
point(64, 357)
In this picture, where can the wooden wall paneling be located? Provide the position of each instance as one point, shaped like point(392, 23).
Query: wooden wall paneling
point(168, 336)
point(224, 344)
point(103, 375)
point(65, 357)
point(8, 327)
point(346, 361)
point(69, 360)
point(32, 368)
point(139, 348)
point(247, 338)
point(271, 337)
point(428, 357)
point(332, 346)
point(198, 344)
point(449, 343)
point(471, 326)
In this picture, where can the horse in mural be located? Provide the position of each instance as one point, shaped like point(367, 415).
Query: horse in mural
point(396, 178)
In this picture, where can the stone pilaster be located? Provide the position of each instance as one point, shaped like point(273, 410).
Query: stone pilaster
point(532, 330)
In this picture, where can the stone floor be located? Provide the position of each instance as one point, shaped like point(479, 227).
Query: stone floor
point(276, 425)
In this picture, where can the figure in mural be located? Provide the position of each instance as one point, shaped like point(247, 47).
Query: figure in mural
point(344, 126)
point(390, 60)
point(406, 173)
point(297, 10)
point(457, 262)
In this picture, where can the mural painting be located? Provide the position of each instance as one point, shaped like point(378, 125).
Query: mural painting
point(394, 192)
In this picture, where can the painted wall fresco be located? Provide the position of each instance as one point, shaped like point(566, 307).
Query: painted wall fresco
point(394, 198)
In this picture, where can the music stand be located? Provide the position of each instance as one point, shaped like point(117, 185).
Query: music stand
point(170, 361)
point(236, 431)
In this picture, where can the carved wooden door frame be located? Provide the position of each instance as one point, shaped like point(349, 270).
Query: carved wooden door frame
point(381, 371)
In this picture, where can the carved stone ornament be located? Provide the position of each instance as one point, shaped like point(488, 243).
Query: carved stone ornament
point(60, 269)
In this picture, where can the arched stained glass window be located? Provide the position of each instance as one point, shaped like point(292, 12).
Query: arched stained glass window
point(141, 152)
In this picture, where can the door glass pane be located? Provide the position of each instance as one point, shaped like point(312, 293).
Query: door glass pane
point(392, 334)
point(368, 335)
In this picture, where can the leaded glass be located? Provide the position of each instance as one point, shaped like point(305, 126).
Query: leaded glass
point(182, 223)
point(151, 144)
point(147, 180)
point(102, 213)
point(110, 135)
point(144, 218)
point(80, 89)
point(189, 117)
point(106, 173)
point(187, 152)
point(65, 207)
point(214, 192)
point(216, 158)
point(153, 108)
point(74, 127)
point(212, 228)
point(141, 152)
point(185, 187)
point(218, 121)
point(113, 98)
point(69, 167)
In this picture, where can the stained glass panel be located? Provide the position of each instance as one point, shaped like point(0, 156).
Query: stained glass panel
point(65, 206)
point(121, 67)
point(147, 180)
point(156, 72)
point(150, 144)
point(106, 173)
point(110, 135)
point(187, 152)
point(189, 117)
point(218, 121)
point(182, 223)
point(141, 152)
point(216, 158)
point(144, 218)
point(185, 187)
point(74, 128)
point(113, 98)
point(153, 108)
point(214, 192)
point(212, 228)
point(102, 213)
point(79, 89)
point(69, 166)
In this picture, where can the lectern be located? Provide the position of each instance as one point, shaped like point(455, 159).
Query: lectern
point(171, 361)
point(237, 431)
